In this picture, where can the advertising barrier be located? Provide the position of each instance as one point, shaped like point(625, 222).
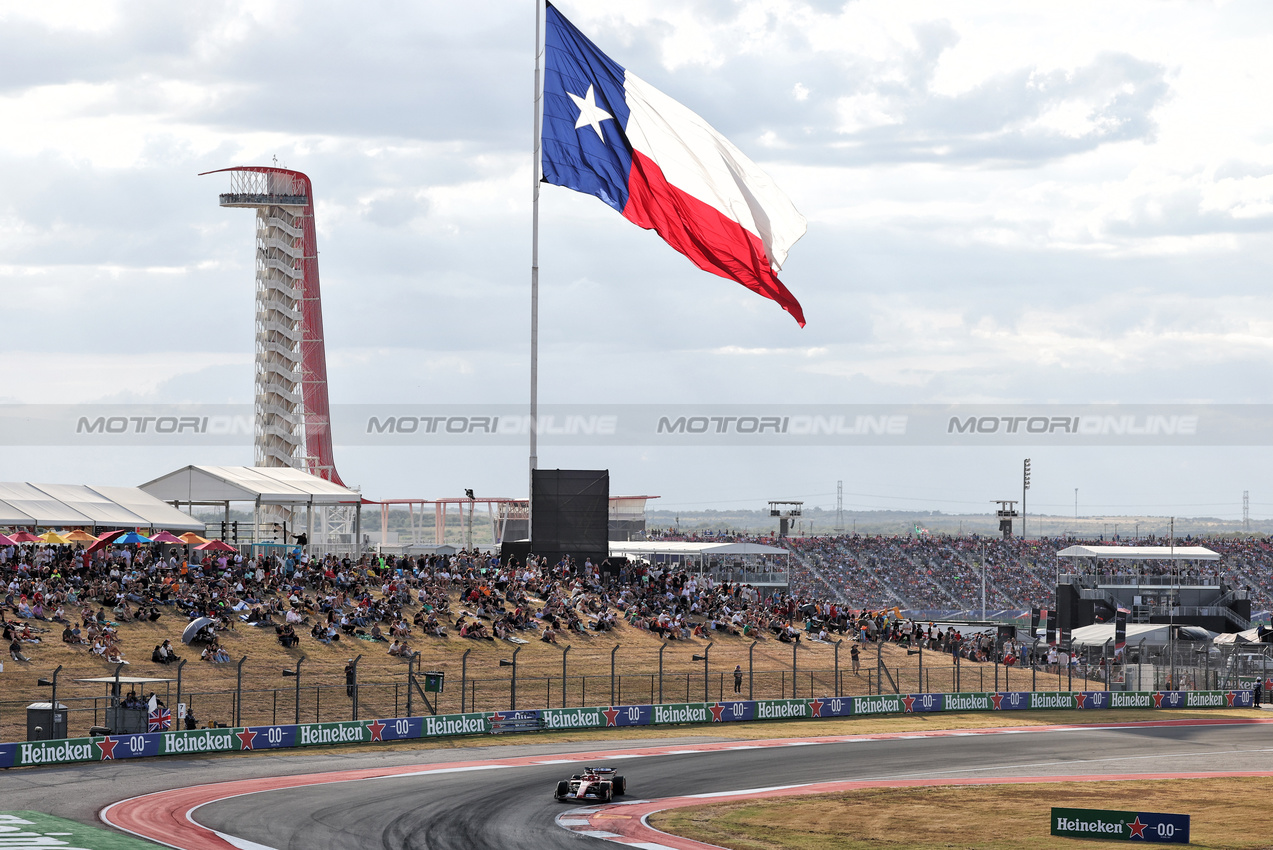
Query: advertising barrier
point(221, 740)
point(1157, 827)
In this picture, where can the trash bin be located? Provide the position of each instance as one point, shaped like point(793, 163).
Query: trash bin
point(45, 724)
point(433, 681)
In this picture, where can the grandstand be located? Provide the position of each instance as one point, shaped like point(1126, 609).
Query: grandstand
point(940, 576)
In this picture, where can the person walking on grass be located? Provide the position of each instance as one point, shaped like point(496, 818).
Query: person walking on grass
point(738, 678)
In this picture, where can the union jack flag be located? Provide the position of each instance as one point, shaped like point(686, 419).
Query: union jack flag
point(160, 720)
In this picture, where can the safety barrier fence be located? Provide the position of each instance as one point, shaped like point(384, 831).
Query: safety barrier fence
point(324, 698)
point(237, 739)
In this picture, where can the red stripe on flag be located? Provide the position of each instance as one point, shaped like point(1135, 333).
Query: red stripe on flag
point(713, 242)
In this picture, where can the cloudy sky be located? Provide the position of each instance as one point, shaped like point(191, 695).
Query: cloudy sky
point(1062, 202)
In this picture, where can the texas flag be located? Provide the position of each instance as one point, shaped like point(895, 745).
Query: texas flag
point(607, 132)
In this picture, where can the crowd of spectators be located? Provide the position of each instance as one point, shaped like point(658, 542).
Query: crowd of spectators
point(938, 572)
point(837, 586)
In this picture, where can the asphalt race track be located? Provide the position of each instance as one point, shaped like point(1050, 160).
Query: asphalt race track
point(513, 806)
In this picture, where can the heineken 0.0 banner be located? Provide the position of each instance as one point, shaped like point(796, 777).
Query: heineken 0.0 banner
point(221, 740)
point(1121, 826)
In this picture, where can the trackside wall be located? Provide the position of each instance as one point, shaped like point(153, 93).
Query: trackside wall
point(150, 744)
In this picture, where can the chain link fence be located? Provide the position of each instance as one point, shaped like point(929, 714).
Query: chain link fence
point(324, 695)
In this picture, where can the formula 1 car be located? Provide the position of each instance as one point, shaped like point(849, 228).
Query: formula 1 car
point(599, 784)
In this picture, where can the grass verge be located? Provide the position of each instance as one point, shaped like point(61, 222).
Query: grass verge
point(1225, 813)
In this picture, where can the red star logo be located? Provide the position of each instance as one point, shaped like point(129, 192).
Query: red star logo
point(1158, 699)
point(1229, 696)
point(1080, 700)
point(909, 702)
point(107, 746)
point(496, 717)
point(1137, 828)
point(245, 739)
point(997, 699)
point(612, 716)
point(815, 707)
point(717, 711)
point(377, 730)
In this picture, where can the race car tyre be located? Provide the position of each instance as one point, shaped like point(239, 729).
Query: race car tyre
point(563, 789)
point(607, 794)
point(577, 776)
point(620, 785)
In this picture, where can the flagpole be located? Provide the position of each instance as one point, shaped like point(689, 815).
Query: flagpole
point(534, 264)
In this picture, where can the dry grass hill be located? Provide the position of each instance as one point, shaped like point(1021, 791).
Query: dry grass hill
point(268, 696)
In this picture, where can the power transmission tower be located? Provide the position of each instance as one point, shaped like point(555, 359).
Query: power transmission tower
point(1025, 485)
point(1246, 511)
point(839, 507)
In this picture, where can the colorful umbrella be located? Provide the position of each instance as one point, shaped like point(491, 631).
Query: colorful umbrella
point(104, 540)
point(53, 538)
point(166, 537)
point(215, 546)
point(191, 537)
point(24, 537)
point(133, 537)
point(5, 541)
point(78, 536)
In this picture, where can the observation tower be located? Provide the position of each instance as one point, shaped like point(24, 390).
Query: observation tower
point(292, 418)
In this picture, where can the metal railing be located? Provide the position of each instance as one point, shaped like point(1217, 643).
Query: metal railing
point(321, 697)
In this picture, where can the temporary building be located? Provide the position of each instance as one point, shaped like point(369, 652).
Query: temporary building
point(67, 505)
point(1153, 634)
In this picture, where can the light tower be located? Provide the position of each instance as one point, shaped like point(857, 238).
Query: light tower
point(292, 418)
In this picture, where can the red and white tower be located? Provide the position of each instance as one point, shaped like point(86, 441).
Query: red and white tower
point(293, 422)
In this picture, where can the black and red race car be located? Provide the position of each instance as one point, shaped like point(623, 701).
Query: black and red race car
point(595, 784)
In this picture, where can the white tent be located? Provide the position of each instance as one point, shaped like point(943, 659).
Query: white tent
point(1253, 635)
point(1153, 634)
point(1141, 553)
point(262, 485)
point(276, 489)
point(79, 505)
point(760, 565)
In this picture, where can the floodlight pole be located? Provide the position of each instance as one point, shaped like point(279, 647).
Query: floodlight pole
point(534, 262)
point(354, 707)
point(297, 674)
point(180, 664)
point(837, 666)
point(564, 653)
point(751, 670)
point(661, 648)
point(794, 645)
point(706, 654)
point(54, 714)
point(612, 652)
point(464, 681)
point(512, 694)
point(238, 694)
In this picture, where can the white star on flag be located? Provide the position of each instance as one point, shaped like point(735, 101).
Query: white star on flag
point(590, 115)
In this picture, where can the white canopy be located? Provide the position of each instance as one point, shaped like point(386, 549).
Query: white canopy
point(266, 485)
point(68, 505)
point(1253, 635)
point(1142, 553)
point(1153, 634)
point(690, 549)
